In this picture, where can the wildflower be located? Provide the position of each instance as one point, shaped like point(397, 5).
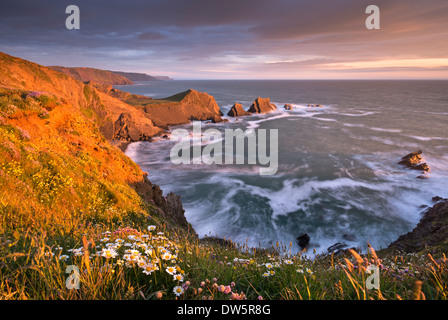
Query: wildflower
point(271, 272)
point(178, 277)
point(171, 270)
point(299, 270)
point(309, 271)
point(109, 253)
point(166, 256)
point(119, 241)
point(288, 261)
point(266, 274)
point(104, 240)
point(268, 265)
point(148, 268)
point(178, 290)
point(64, 257)
point(159, 295)
point(151, 228)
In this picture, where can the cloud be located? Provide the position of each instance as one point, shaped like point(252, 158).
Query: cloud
point(281, 38)
point(150, 36)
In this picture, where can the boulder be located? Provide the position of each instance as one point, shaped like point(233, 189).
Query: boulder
point(303, 241)
point(288, 106)
point(262, 105)
point(238, 111)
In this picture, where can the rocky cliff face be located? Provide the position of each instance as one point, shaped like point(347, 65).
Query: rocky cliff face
point(51, 118)
point(430, 232)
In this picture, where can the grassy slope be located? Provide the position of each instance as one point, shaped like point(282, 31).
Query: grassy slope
point(91, 74)
point(65, 196)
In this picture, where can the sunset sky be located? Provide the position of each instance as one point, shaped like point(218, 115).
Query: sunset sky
point(243, 39)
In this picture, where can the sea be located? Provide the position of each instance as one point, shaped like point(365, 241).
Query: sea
point(338, 178)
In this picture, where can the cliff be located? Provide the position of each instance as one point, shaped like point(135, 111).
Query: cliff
point(92, 74)
point(430, 233)
point(175, 110)
point(135, 76)
point(56, 160)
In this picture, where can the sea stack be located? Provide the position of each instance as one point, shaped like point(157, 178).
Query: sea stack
point(262, 105)
point(238, 111)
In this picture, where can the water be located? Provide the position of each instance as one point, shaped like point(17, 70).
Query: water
point(338, 173)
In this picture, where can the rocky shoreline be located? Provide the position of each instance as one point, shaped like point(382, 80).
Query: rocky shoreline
point(123, 118)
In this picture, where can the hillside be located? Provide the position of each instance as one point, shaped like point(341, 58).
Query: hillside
point(134, 76)
point(91, 74)
point(54, 130)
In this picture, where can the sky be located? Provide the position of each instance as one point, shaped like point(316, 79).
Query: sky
point(234, 39)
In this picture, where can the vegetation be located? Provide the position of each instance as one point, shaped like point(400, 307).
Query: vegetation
point(66, 200)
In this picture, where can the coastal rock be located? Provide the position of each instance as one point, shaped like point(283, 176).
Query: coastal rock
point(315, 106)
point(183, 108)
point(238, 111)
point(414, 160)
point(288, 106)
point(336, 247)
point(430, 232)
point(438, 199)
point(262, 105)
point(127, 128)
point(218, 119)
point(170, 207)
point(303, 241)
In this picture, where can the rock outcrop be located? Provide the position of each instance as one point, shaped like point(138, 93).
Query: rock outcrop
point(238, 111)
point(430, 232)
point(128, 128)
point(303, 241)
point(415, 161)
point(170, 206)
point(288, 107)
point(262, 105)
point(183, 108)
